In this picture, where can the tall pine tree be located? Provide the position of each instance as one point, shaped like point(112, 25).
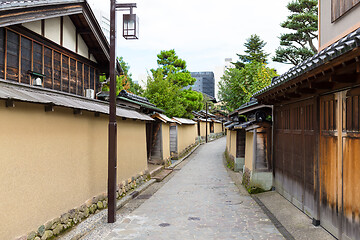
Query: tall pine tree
point(298, 45)
point(254, 52)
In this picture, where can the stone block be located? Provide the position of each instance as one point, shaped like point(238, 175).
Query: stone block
point(47, 235)
point(59, 228)
point(41, 230)
point(93, 208)
point(31, 235)
point(100, 205)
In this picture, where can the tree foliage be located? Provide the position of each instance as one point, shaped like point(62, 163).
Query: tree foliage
point(298, 45)
point(238, 85)
point(165, 88)
point(254, 52)
point(123, 81)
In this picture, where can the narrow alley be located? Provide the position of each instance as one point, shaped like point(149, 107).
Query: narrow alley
point(199, 202)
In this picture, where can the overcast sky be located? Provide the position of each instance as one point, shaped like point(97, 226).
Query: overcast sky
point(202, 32)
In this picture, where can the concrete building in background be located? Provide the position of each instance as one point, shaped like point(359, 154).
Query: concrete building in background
point(205, 82)
point(219, 72)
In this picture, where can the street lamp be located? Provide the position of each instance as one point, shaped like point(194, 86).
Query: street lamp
point(112, 161)
point(130, 26)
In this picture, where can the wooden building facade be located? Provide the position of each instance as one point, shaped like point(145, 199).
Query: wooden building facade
point(61, 44)
point(317, 133)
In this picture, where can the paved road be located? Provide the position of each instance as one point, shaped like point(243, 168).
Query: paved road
point(199, 202)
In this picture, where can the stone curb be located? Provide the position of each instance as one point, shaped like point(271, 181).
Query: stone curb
point(97, 219)
point(172, 166)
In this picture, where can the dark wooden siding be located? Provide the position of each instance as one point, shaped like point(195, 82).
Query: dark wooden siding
point(240, 140)
point(21, 57)
point(340, 7)
point(48, 66)
point(80, 78)
point(330, 203)
point(37, 58)
point(294, 153)
point(65, 73)
point(57, 70)
point(2, 52)
point(12, 56)
point(351, 164)
point(26, 56)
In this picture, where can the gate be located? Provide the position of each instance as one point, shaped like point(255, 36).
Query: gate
point(294, 153)
point(339, 164)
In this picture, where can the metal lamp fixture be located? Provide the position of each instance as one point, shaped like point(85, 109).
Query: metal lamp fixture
point(130, 26)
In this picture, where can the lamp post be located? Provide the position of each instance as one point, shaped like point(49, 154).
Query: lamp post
point(112, 151)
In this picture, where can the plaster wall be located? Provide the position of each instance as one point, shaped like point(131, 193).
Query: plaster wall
point(34, 26)
point(203, 129)
point(186, 136)
point(249, 150)
point(166, 140)
point(217, 127)
point(331, 32)
point(55, 161)
point(69, 40)
point(52, 29)
point(53, 33)
point(82, 47)
point(233, 143)
point(228, 139)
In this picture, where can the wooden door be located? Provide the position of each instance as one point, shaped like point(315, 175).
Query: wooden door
point(294, 153)
point(329, 164)
point(173, 139)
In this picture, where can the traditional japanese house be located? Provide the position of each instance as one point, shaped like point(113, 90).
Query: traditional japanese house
point(214, 126)
point(252, 145)
point(316, 124)
point(183, 134)
point(54, 136)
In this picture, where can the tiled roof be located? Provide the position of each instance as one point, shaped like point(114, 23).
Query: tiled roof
point(337, 49)
point(26, 93)
point(6, 4)
point(183, 121)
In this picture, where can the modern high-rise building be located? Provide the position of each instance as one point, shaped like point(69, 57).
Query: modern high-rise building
point(205, 82)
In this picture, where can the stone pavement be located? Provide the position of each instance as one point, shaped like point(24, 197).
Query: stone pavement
point(199, 202)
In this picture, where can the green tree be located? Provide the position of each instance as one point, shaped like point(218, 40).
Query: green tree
point(298, 45)
point(238, 85)
point(254, 52)
point(166, 86)
point(124, 81)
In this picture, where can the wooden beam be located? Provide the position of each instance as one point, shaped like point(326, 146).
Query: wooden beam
point(61, 30)
point(306, 90)
point(49, 108)
point(322, 85)
point(95, 51)
point(84, 31)
point(77, 111)
point(293, 95)
point(345, 78)
point(9, 103)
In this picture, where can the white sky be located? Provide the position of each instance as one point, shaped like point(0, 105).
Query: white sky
point(202, 32)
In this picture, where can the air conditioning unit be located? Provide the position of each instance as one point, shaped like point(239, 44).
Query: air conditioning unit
point(90, 93)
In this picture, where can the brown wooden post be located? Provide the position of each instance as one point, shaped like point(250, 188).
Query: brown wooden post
point(316, 218)
point(206, 123)
point(112, 161)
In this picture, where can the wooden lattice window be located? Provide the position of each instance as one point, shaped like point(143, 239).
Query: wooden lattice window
point(340, 7)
